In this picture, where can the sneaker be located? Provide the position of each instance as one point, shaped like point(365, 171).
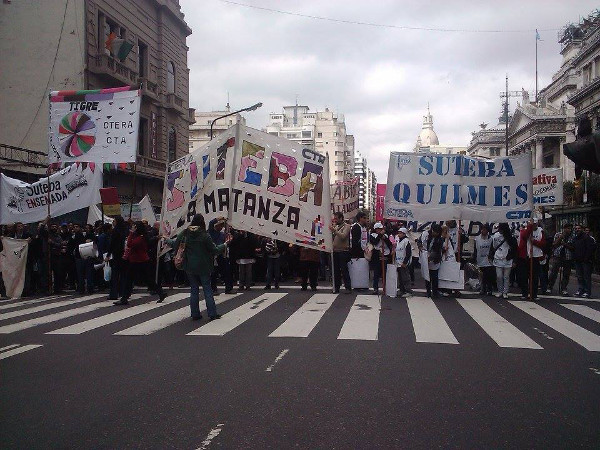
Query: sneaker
point(505, 296)
point(565, 292)
point(585, 295)
point(498, 294)
point(578, 294)
point(444, 294)
point(304, 288)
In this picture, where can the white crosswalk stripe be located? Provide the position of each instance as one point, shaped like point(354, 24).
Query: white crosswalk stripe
point(36, 309)
point(428, 323)
point(18, 350)
point(499, 329)
point(238, 316)
point(116, 316)
point(302, 322)
point(30, 302)
point(8, 347)
point(585, 311)
point(19, 326)
point(362, 322)
point(580, 335)
point(160, 322)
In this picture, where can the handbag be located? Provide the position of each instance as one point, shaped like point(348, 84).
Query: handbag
point(180, 255)
point(493, 250)
point(449, 270)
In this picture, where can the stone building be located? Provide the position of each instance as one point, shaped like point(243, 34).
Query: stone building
point(489, 142)
point(157, 62)
point(428, 142)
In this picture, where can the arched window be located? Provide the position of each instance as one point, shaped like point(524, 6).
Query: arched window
point(172, 144)
point(170, 77)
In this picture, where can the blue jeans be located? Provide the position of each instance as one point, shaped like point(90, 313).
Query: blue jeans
point(584, 277)
point(195, 282)
point(273, 271)
point(85, 274)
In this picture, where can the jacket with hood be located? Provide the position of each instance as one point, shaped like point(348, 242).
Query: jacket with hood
point(200, 250)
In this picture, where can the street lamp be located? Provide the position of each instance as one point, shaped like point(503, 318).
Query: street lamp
point(249, 108)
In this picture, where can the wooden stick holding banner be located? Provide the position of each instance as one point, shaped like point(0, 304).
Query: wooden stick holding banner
point(50, 284)
point(133, 194)
point(161, 229)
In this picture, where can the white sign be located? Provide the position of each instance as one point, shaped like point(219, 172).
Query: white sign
point(344, 198)
point(98, 126)
point(75, 187)
point(441, 187)
point(280, 190)
point(547, 187)
point(14, 261)
point(197, 183)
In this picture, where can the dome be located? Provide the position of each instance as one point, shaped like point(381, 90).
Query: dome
point(428, 137)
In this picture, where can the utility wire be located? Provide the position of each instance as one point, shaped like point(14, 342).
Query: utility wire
point(49, 76)
point(380, 25)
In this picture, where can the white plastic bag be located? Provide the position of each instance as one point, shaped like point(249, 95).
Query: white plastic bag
point(359, 273)
point(107, 272)
point(391, 280)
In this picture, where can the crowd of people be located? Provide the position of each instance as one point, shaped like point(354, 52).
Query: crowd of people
point(214, 255)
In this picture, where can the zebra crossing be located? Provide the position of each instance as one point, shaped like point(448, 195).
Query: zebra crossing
point(430, 324)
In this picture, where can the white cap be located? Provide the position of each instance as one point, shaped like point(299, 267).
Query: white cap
point(378, 226)
point(403, 230)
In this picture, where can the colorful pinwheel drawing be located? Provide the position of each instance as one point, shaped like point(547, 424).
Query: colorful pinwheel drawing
point(76, 134)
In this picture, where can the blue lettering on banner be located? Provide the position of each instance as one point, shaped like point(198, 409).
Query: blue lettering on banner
point(465, 166)
point(512, 215)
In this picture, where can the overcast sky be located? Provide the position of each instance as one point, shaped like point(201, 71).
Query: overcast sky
point(380, 78)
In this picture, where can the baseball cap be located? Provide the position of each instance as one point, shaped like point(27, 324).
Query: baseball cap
point(378, 226)
point(403, 230)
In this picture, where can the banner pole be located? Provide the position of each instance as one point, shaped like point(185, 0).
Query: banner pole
point(50, 284)
point(162, 222)
point(133, 194)
point(101, 205)
point(332, 273)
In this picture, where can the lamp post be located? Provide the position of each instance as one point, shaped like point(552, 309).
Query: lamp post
point(249, 108)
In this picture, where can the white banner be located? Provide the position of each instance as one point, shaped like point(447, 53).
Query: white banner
point(280, 190)
point(440, 187)
point(548, 186)
point(13, 262)
point(344, 198)
point(197, 183)
point(72, 188)
point(146, 210)
point(98, 126)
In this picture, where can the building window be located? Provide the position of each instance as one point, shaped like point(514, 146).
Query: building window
point(320, 135)
point(170, 77)
point(172, 142)
point(306, 134)
point(548, 161)
point(335, 133)
point(142, 135)
point(208, 133)
point(274, 133)
point(142, 59)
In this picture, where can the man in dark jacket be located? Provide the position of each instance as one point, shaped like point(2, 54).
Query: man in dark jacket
point(584, 247)
point(359, 236)
point(216, 230)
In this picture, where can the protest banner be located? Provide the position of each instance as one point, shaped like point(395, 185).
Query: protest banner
point(146, 210)
point(98, 126)
point(197, 183)
point(344, 198)
point(74, 187)
point(548, 187)
point(13, 262)
point(380, 201)
point(280, 190)
point(433, 187)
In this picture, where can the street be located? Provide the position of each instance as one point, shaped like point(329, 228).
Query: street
point(293, 369)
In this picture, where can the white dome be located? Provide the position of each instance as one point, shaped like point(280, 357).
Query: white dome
point(428, 137)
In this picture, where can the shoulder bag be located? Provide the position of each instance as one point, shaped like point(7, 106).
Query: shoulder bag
point(180, 255)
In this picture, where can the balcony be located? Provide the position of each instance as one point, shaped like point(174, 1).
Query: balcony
point(149, 89)
point(175, 103)
point(150, 166)
point(191, 116)
point(106, 65)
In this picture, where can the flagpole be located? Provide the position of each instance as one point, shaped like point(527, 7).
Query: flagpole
point(50, 284)
point(162, 221)
point(134, 187)
point(537, 38)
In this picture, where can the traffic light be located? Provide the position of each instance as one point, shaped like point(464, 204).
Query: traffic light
point(585, 151)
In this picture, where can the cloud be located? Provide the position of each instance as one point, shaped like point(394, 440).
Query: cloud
point(380, 78)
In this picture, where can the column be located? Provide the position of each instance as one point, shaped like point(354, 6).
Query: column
point(539, 153)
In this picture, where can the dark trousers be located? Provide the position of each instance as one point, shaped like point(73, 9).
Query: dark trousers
point(523, 276)
point(117, 279)
point(403, 279)
point(309, 270)
point(544, 277)
point(223, 270)
point(144, 271)
point(85, 274)
point(584, 277)
point(340, 270)
point(432, 285)
point(273, 271)
point(488, 278)
point(58, 273)
point(556, 264)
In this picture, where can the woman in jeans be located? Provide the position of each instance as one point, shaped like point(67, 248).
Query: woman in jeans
point(501, 243)
point(198, 264)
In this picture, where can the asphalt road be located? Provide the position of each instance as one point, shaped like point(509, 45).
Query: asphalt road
point(404, 376)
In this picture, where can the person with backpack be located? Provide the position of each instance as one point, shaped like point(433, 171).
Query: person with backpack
point(196, 258)
point(501, 254)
